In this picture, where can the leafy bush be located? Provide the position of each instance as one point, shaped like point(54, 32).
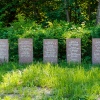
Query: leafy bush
point(85, 35)
point(96, 32)
point(25, 28)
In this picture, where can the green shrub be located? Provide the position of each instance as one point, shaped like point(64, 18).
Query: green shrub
point(85, 35)
point(25, 28)
point(96, 32)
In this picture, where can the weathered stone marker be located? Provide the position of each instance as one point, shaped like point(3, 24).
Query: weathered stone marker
point(50, 50)
point(96, 51)
point(4, 50)
point(25, 49)
point(73, 49)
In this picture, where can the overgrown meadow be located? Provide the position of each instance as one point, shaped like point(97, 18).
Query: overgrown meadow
point(40, 81)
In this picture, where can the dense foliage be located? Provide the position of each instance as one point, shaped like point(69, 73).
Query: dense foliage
point(48, 10)
point(25, 28)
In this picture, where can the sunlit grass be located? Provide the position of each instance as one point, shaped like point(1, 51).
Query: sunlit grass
point(63, 81)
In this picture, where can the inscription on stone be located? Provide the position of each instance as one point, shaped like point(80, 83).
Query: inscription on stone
point(25, 49)
point(96, 51)
point(4, 49)
point(73, 49)
point(50, 50)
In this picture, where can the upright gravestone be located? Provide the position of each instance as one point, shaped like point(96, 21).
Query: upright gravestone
point(25, 49)
point(73, 48)
point(96, 51)
point(50, 50)
point(4, 49)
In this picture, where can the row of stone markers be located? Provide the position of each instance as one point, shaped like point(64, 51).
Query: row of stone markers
point(50, 50)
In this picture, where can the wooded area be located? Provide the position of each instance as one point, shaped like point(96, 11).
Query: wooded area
point(42, 11)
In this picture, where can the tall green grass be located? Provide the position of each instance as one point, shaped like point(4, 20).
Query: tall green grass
point(66, 81)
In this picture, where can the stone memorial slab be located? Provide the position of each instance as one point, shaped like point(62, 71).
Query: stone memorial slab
point(4, 49)
point(73, 49)
point(96, 50)
point(50, 50)
point(25, 49)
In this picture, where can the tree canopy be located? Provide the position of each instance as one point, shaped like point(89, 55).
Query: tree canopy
point(42, 11)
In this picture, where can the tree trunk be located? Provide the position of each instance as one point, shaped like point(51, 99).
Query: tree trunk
point(89, 10)
point(98, 12)
point(76, 11)
point(66, 11)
